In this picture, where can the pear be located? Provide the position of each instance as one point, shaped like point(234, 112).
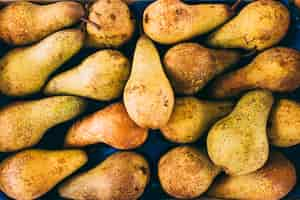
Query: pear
point(238, 143)
point(186, 172)
point(276, 69)
point(111, 125)
point(24, 71)
point(260, 25)
point(31, 173)
point(172, 21)
point(23, 123)
point(191, 66)
point(148, 95)
point(191, 118)
point(101, 76)
point(110, 24)
point(122, 176)
point(23, 22)
point(273, 181)
point(285, 124)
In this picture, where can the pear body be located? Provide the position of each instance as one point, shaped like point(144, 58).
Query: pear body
point(22, 23)
point(172, 21)
point(276, 69)
point(23, 123)
point(148, 95)
point(260, 25)
point(122, 176)
point(186, 172)
point(101, 76)
point(31, 173)
point(238, 143)
point(191, 118)
point(114, 24)
point(111, 125)
point(191, 66)
point(24, 71)
point(273, 181)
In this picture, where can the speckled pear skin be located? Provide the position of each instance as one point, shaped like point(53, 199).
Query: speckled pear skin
point(186, 172)
point(192, 117)
point(285, 124)
point(111, 125)
point(276, 69)
point(22, 23)
point(238, 143)
point(148, 95)
point(31, 173)
point(25, 70)
point(101, 76)
point(172, 21)
point(122, 176)
point(260, 25)
point(273, 181)
point(23, 123)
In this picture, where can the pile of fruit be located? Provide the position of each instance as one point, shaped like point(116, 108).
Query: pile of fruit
point(237, 114)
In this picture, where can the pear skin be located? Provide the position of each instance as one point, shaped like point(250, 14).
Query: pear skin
point(260, 25)
point(148, 95)
point(31, 173)
point(172, 21)
point(101, 76)
point(23, 123)
point(113, 24)
point(122, 176)
point(24, 71)
point(238, 143)
point(191, 118)
point(285, 124)
point(186, 172)
point(111, 125)
point(22, 23)
point(273, 181)
point(191, 66)
point(276, 69)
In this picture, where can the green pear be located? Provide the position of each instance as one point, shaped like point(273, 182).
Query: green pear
point(23, 123)
point(24, 71)
point(23, 22)
point(101, 76)
point(31, 173)
point(148, 95)
point(122, 176)
point(191, 118)
point(238, 143)
point(172, 21)
point(260, 25)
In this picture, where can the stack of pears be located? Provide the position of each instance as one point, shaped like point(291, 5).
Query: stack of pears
point(228, 116)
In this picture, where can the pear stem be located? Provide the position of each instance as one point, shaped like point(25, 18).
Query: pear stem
point(235, 5)
point(90, 22)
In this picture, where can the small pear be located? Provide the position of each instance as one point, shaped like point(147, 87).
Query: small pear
point(186, 172)
point(111, 125)
point(285, 124)
point(260, 25)
point(148, 95)
point(238, 143)
point(23, 22)
point(172, 21)
point(23, 123)
point(111, 24)
point(101, 76)
point(191, 118)
point(191, 66)
point(24, 71)
point(276, 69)
point(122, 176)
point(272, 182)
point(31, 173)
